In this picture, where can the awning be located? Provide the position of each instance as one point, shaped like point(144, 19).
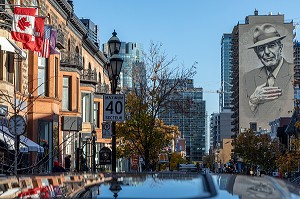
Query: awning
point(19, 50)
point(6, 45)
point(26, 144)
point(32, 146)
point(10, 46)
point(9, 139)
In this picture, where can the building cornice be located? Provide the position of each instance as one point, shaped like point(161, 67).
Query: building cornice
point(69, 69)
point(66, 10)
point(94, 50)
point(62, 7)
point(87, 85)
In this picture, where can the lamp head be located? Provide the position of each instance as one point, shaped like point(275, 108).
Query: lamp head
point(115, 66)
point(114, 44)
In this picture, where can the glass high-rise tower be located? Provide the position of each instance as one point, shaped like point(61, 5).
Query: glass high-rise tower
point(226, 70)
point(133, 66)
point(187, 111)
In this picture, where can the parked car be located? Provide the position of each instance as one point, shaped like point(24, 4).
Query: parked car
point(171, 185)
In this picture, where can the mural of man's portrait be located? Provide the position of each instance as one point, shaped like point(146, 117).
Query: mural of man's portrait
point(266, 87)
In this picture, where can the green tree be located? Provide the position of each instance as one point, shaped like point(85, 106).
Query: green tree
point(257, 149)
point(268, 150)
point(245, 146)
point(142, 132)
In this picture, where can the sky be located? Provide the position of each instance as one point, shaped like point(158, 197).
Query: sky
point(190, 30)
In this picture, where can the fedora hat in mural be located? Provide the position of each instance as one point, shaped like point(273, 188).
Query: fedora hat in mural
point(264, 34)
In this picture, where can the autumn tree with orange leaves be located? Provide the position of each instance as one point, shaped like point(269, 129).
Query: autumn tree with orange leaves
point(142, 136)
point(289, 161)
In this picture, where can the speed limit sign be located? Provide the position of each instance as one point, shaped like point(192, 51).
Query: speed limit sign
point(114, 107)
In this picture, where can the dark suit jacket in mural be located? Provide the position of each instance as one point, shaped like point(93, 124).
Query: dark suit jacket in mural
point(273, 109)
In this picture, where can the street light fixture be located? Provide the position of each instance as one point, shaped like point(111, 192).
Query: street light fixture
point(114, 44)
point(115, 187)
point(94, 136)
point(169, 157)
point(114, 68)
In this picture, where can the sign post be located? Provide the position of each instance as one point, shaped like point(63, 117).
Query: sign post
point(113, 111)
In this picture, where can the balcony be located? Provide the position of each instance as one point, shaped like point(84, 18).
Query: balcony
point(102, 88)
point(5, 19)
point(71, 60)
point(89, 76)
point(60, 42)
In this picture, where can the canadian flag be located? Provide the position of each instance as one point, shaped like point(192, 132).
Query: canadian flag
point(37, 44)
point(23, 24)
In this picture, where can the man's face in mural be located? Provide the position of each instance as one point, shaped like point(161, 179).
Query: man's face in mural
point(269, 54)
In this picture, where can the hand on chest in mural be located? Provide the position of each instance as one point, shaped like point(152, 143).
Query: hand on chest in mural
point(263, 94)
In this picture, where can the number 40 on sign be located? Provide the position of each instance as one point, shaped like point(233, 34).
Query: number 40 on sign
point(114, 107)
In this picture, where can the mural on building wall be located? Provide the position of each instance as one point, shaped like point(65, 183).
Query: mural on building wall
point(266, 73)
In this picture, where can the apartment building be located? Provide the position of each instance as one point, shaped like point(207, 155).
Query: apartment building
point(62, 95)
point(187, 111)
point(245, 61)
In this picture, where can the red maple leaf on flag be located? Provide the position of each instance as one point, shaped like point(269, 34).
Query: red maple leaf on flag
point(23, 23)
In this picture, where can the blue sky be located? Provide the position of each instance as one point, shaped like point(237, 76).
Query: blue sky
point(189, 30)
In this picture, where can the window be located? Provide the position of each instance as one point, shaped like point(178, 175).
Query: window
point(85, 106)
point(77, 52)
point(48, 19)
point(2, 2)
point(96, 114)
point(18, 80)
point(83, 62)
point(34, 3)
point(56, 77)
point(45, 134)
point(78, 91)
point(253, 126)
point(9, 67)
point(42, 77)
point(66, 93)
point(68, 143)
point(69, 46)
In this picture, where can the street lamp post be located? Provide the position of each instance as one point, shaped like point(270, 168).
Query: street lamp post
point(115, 187)
point(169, 157)
point(94, 135)
point(114, 68)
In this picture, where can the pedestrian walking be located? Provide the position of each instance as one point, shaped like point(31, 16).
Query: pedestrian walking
point(68, 162)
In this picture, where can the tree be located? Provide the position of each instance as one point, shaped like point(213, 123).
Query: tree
point(208, 161)
point(134, 136)
point(289, 160)
point(18, 104)
point(152, 87)
point(257, 149)
point(176, 159)
point(245, 146)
